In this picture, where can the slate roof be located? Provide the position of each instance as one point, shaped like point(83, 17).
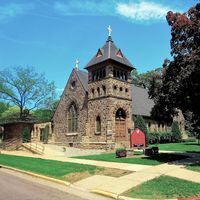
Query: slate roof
point(83, 77)
point(141, 103)
point(109, 51)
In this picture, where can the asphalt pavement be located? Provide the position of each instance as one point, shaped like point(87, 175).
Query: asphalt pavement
point(16, 188)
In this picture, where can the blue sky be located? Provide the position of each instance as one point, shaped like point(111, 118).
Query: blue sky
point(51, 34)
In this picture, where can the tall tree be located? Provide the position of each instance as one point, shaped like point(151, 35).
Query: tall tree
point(176, 133)
point(179, 86)
point(25, 88)
point(11, 112)
point(3, 107)
point(140, 123)
point(143, 79)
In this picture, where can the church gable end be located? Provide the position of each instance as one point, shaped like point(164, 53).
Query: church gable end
point(71, 114)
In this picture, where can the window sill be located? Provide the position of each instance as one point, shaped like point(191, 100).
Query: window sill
point(97, 133)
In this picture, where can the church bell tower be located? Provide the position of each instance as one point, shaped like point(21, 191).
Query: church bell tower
point(109, 96)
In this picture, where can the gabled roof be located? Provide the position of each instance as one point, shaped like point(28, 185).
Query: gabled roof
point(83, 77)
point(109, 51)
point(141, 103)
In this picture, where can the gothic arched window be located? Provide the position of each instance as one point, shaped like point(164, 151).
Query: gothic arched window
point(98, 124)
point(72, 119)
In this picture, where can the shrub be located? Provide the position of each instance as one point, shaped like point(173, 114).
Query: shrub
point(165, 137)
point(190, 139)
point(154, 137)
point(26, 134)
point(176, 133)
point(160, 137)
point(140, 123)
point(120, 152)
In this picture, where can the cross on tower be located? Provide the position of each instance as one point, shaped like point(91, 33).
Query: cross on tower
point(77, 64)
point(109, 30)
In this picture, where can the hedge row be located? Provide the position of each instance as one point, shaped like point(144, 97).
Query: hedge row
point(162, 137)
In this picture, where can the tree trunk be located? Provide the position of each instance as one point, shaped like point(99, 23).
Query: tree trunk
point(21, 112)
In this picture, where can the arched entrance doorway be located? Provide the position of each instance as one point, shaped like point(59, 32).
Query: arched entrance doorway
point(120, 125)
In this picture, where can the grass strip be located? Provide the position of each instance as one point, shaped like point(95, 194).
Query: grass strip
point(52, 168)
point(183, 147)
point(143, 160)
point(194, 167)
point(165, 187)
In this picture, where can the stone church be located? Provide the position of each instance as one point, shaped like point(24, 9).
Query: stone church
point(97, 107)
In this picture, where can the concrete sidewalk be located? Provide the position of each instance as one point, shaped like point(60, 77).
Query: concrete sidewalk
point(124, 166)
point(114, 187)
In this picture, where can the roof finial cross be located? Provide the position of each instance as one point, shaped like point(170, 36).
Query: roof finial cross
point(109, 30)
point(77, 64)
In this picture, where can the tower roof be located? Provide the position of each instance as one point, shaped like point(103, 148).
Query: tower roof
point(109, 52)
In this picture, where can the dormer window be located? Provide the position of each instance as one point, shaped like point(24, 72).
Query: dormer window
point(119, 54)
point(99, 53)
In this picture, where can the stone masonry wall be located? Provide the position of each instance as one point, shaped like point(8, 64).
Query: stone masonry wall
point(71, 95)
point(105, 103)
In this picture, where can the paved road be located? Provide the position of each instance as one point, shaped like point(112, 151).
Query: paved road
point(16, 188)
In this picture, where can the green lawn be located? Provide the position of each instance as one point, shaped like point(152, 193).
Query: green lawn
point(194, 167)
point(183, 147)
point(50, 168)
point(165, 187)
point(154, 160)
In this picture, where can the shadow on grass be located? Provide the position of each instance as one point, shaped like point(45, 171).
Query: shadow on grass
point(198, 152)
point(195, 164)
point(166, 157)
point(192, 144)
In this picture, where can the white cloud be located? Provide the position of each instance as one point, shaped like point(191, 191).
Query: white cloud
point(142, 11)
point(12, 10)
point(86, 7)
point(134, 10)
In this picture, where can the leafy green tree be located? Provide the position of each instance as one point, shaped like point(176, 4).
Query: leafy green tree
point(12, 111)
point(3, 107)
point(25, 88)
point(43, 115)
point(179, 86)
point(140, 123)
point(143, 79)
point(176, 133)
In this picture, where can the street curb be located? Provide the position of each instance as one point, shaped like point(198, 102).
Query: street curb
point(37, 175)
point(116, 196)
point(105, 193)
point(129, 198)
